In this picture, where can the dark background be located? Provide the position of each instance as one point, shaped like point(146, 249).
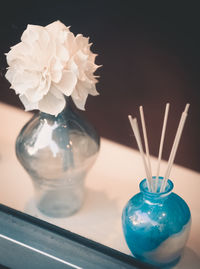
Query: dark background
point(150, 53)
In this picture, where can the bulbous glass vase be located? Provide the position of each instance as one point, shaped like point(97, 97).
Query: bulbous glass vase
point(57, 152)
point(156, 225)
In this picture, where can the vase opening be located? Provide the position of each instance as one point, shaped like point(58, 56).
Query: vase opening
point(156, 195)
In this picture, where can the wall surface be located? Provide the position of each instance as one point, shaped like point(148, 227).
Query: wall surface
point(150, 54)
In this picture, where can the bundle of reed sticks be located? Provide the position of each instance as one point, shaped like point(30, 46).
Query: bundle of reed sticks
point(152, 182)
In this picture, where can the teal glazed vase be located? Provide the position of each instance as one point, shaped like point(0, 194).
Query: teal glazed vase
point(57, 152)
point(156, 225)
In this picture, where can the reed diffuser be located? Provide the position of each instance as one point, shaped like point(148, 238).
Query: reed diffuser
point(156, 222)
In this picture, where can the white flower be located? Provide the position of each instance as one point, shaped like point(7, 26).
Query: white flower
point(47, 64)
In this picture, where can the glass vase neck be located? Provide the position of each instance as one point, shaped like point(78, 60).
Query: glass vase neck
point(156, 196)
point(65, 110)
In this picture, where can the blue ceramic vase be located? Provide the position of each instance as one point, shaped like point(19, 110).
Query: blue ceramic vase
point(57, 152)
point(156, 225)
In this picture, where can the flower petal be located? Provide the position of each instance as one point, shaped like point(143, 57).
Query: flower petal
point(37, 93)
point(35, 33)
point(71, 65)
point(52, 103)
point(56, 69)
point(79, 96)
point(17, 52)
point(81, 41)
point(55, 27)
point(22, 81)
point(67, 83)
point(10, 74)
point(59, 32)
point(27, 104)
point(69, 43)
point(90, 87)
point(62, 53)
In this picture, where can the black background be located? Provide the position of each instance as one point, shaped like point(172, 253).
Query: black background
point(150, 53)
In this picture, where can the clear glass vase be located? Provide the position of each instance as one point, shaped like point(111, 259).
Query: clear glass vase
point(57, 152)
point(156, 225)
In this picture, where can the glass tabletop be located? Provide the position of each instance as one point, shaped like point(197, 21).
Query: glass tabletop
point(27, 242)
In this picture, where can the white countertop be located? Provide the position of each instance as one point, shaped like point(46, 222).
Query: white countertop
point(112, 181)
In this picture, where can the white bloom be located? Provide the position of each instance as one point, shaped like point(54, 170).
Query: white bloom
point(47, 64)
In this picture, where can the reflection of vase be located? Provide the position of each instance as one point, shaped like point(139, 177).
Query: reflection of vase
point(57, 152)
point(156, 225)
